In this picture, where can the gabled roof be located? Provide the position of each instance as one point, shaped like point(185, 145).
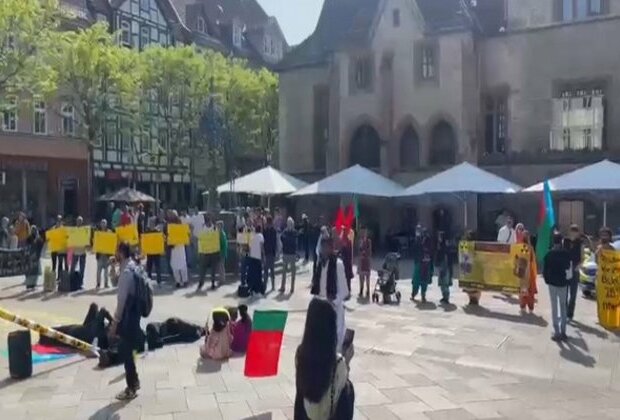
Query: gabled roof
point(224, 11)
point(351, 22)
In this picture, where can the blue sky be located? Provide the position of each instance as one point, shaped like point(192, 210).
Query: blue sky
point(297, 18)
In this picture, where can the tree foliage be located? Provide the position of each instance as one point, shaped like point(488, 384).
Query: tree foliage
point(28, 36)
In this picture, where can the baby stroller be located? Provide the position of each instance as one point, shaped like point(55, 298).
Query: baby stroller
point(385, 285)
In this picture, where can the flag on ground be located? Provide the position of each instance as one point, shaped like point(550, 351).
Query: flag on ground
point(265, 343)
point(546, 220)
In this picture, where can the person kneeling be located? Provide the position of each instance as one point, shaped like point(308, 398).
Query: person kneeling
point(217, 343)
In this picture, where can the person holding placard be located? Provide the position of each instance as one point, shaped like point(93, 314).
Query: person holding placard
point(209, 258)
point(103, 260)
point(178, 261)
point(79, 254)
point(154, 260)
point(255, 262)
point(59, 256)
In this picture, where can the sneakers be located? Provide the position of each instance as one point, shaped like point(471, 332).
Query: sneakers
point(127, 395)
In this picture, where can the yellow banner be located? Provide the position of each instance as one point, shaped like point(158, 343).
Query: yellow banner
point(56, 239)
point(128, 234)
point(243, 238)
point(209, 242)
point(152, 243)
point(492, 266)
point(78, 237)
point(608, 289)
point(178, 234)
point(105, 243)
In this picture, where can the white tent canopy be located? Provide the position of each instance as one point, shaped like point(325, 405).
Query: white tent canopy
point(355, 180)
point(601, 176)
point(463, 178)
point(266, 181)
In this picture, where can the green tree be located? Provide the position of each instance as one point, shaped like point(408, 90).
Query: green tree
point(99, 79)
point(28, 35)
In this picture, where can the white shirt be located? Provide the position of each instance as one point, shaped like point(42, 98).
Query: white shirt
point(197, 222)
point(342, 289)
point(507, 235)
point(256, 246)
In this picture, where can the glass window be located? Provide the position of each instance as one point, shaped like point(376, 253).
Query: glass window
point(144, 37)
point(40, 116)
point(200, 24)
point(495, 124)
point(567, 9)
point(145, 5)
point(582, 9)
point(9, 120)
point(68, 119)
point(363, 73)
point(125, 33)
point(237, 35)
point(595, 7)
point(428, 62)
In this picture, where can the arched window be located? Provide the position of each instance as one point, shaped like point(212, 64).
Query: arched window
point(443, 145)
point(365, 148)
point(409, 149)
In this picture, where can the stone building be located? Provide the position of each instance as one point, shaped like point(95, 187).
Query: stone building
point(527, 89)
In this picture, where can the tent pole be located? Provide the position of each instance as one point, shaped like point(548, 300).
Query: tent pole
point(465, 214)
point(605, 213)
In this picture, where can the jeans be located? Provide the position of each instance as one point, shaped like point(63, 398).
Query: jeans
point(269, 270)
point(154, 261)
point(125, 350)
point(74, 262)
point(573, 289)
point(102, 266)
point(558, 297)
point(289, 262)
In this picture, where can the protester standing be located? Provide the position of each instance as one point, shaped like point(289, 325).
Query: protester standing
point(22, 229)
point(13, 238)
point(289, 254)
point(4, 232)
point(35, 242)
point(444, 280)
point(507, 234)
point(575, 249)
point(255, 261)
point(208, 261)
point(422, 267)
point(59, 258)
point(79, 254)
point(365, 246)
point(271, 236)
point(527, 286)
point(126, 324)
point(178, 262)
point(103, 260)
point(305, 237)
point(557, 264)
point(154, 261)
point(346, 254)
point(329, 282)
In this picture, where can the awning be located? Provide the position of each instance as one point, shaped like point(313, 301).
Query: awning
point(266, 181)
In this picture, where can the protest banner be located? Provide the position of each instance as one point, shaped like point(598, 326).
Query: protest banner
point(105, 243)
point(18, 262)
point(491, 265)
point(78, 237)
point(209, 242)
point(128, 234)
point(608, 289)
point(152, 243)
point(178, 234)
point(56, 239)
point(243, 238)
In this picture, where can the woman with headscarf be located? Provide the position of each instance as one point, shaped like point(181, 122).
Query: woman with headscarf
point(422, 268)
point(527, 277)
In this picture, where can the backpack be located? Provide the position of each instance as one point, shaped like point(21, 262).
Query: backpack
point(144, 292)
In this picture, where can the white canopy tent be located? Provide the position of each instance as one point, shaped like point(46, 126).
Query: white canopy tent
point(267, 181)
point(461, 180)
point(602, 177)
point(357, 181)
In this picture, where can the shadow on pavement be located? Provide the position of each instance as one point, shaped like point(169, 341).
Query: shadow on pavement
point(508, 298)
point(571, 352)
point(7, 382)
point(448, 307)
point(109, 411)
point(263, 416)
point(425, 306)
point(480, 311)
point(586, 329)
point(208, 366)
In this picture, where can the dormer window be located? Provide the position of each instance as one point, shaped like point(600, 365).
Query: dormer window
point(237, 35)
point(200, 25)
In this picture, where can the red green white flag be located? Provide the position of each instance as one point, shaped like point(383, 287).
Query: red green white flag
point(263, 353)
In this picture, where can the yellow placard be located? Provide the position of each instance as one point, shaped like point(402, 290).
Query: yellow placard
point(78, 237)
point(178, 234)
point(492, 266)
point(152, 243)
point(105, 243)
point(243, 238)
point(128, 234)
point(56, 239)
point(608, 289)
point(209, 242)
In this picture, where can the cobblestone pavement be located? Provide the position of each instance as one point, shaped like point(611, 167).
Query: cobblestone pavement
point(412, 361)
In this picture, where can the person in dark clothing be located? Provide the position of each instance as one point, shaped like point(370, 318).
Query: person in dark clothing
point(556, 268)
point(153, 261)
point(289, 254)
point(126, 324)
point(575, 243)
point(305, 237)
point(271, 247)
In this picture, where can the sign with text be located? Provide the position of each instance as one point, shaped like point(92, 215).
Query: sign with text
point(608, 289)
point(491, 265)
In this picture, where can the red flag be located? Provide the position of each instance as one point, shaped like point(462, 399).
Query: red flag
point(348, 220)
point(263, 353)
point(339, 220)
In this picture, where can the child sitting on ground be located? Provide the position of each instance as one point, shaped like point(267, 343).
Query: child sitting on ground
point(241, 331)
point(217, 343)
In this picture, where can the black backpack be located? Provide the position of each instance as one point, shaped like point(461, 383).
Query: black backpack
point(144, 292)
